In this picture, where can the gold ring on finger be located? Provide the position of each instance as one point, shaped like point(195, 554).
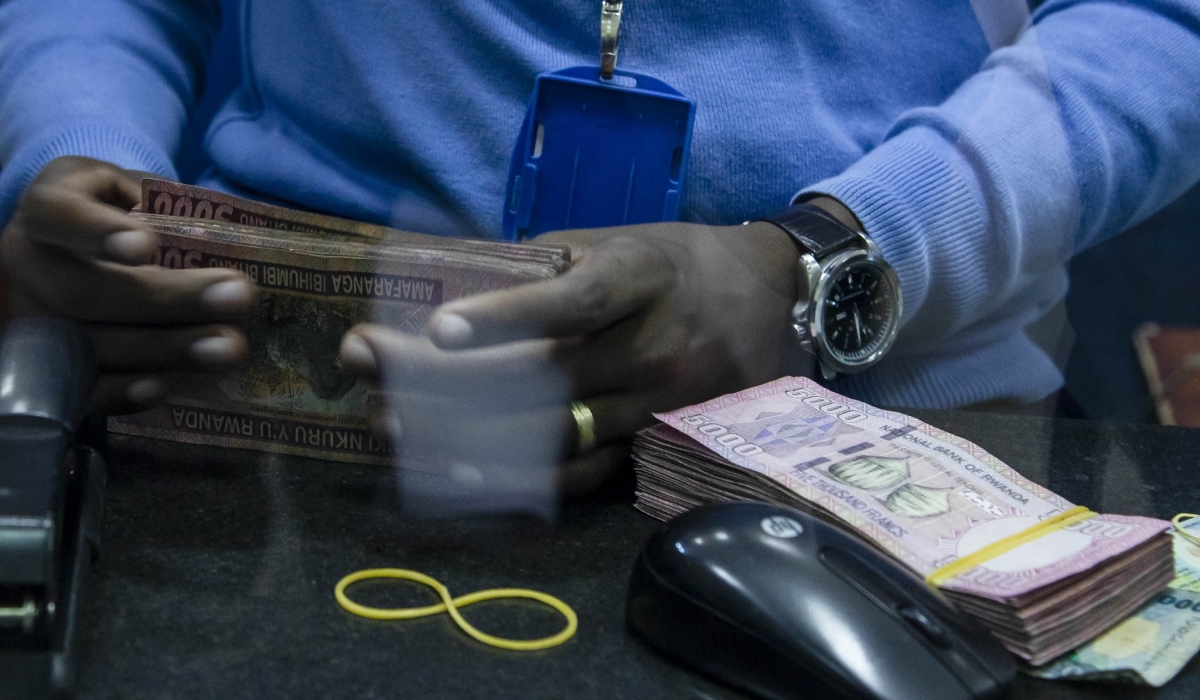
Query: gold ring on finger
point(585, 424)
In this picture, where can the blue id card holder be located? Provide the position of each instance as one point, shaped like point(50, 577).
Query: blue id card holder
point(598, 147)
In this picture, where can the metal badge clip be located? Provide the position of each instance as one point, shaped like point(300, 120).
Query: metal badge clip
point(610, 36)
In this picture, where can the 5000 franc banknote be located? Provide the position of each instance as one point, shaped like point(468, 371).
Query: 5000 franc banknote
point(926, 497)
point(314, 283)
point(922, 494)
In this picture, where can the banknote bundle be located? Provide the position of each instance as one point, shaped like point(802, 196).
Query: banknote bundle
point(924, 496)
point(316, 276)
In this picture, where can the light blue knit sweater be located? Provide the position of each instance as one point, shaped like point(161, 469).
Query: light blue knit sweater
point(979, 147)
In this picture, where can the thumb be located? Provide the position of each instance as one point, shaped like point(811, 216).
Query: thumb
point(82, 205)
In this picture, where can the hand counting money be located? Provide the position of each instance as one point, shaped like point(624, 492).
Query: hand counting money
point(1044, 575)
point(317, 276)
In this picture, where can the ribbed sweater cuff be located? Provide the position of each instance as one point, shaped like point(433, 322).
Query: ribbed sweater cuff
point(1012, 368)
point(914, 195)
point(120, 146)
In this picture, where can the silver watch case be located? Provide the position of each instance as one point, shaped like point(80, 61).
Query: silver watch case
point(814, 279)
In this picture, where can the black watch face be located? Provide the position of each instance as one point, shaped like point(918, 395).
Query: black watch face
point(858, 313)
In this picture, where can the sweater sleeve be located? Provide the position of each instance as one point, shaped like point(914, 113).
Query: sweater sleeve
point(109, 79)
point(1083, 127)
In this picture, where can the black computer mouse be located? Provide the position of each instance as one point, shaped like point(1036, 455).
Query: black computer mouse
point(783, 605)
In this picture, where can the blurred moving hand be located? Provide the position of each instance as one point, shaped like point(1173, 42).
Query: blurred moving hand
point(71, 250)
point(649, 318)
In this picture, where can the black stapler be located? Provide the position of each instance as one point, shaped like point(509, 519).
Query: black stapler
point(50, 497)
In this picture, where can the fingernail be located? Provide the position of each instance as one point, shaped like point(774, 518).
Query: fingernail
point(215, 350)
point(386, 423)
point(466, 475)
point(355, 351)
point(452, 330)
point(129, 245)
point(145, 390)
point(394, 428)
point(228, 296)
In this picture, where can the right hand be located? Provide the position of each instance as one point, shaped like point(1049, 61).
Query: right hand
point(71, 250)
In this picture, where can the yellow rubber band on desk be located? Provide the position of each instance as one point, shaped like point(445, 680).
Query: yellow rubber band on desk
point(1177, 523)
point(995, 549)
point(451, 606)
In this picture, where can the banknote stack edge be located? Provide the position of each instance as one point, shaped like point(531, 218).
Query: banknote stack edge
point(1152, 646)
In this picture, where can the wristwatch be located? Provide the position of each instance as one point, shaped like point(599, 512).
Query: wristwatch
point(849, 305)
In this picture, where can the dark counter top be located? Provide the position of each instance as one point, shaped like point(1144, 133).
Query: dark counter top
point(218, 570)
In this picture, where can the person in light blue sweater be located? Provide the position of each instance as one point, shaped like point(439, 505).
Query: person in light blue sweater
point(980, 147)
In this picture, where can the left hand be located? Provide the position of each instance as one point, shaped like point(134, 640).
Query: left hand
point(649, 318)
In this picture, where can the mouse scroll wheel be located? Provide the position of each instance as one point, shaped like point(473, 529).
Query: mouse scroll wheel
point(930, 628)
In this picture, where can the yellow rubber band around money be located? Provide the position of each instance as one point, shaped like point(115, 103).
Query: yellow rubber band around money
point(1177, 523)
point(960, 566)
point(451, 606)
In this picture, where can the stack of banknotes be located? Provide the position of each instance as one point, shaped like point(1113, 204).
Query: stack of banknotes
point(317, 276)
point(922, 495)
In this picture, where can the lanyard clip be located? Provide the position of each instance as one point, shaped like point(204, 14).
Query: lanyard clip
point(610, 36)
